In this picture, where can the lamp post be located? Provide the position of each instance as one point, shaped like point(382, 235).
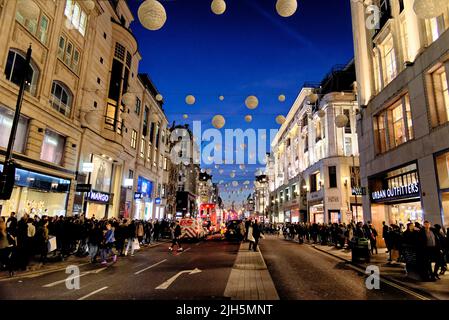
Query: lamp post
point(7, 177)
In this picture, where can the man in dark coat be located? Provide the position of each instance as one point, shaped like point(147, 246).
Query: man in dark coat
point(429, 249)
point(256, 234)
point(11, 224)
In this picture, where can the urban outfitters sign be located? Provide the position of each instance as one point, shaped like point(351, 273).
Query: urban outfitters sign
point(407, 191)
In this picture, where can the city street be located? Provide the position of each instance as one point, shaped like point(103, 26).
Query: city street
point(299, 272)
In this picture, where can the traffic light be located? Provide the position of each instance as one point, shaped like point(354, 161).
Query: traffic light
point(7, 179)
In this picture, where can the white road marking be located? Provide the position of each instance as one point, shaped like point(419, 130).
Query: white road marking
point(92, 293)
point(156, 264)
point(167, 283)
point(184, 251)
point(81, 275)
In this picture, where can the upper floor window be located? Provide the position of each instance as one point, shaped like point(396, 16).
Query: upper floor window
point(142, 147)
point(14, 68)
point(76, 15)
point(61, 98)
point(393, 126)
point(439, 97)
point(134, 139)
point(68, 53)
point(332, 177)
point(6, 119)
point(435, 28)
point(389, 60)
point(53, 147)
point(38, 25)
point(138, 106)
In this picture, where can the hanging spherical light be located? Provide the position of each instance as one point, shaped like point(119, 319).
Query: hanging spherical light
point(185, 116)
point(152, 15)
point(251, 102)
point(286, 8)
point(218, 121)
point(159, 97)
point(321, 113)
point(281, 98)
point(280, 119)
point(129, 99)
point(89, 4)
point(428, 9)
point(232, 174)
point(341, 121)
point(28, 9)
point(218, 6)
point(221, 98)
point(248, 118)
point(190, 99)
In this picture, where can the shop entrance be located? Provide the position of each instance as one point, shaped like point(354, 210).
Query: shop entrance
point(334, 216)
point(400, 213)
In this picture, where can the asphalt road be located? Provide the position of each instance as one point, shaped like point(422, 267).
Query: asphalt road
point(300, 272)
point(138, 277)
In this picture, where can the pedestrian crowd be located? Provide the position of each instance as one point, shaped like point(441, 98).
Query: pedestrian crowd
point(45, 238)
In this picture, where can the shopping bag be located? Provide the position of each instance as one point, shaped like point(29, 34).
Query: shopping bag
point(136, 245)
point(51, 245)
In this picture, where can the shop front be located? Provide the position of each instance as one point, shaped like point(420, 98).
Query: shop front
point(396, 197)
point(316, 210)
point(37, 194)
point(442, 168)
point(144, 204)
point(97, 204)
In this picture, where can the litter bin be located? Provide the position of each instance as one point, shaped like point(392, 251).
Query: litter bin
point(360, 250)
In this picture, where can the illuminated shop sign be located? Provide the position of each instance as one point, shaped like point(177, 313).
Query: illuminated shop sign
point(98, 197)
point(144, 186)
point(407, 191)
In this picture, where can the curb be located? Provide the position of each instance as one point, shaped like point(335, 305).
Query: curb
point(399, 283)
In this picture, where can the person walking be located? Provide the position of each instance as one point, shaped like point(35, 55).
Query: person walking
point(372, 235)
point(429, 249)
point(250, 235)
point(257, 233)
point(107, 244)
point(156, 231)
point(95, 236)
point(131, 236)
point(176, 237)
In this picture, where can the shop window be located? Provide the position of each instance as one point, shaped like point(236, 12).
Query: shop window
point(393, 126)
point(439, 97)
point(61, 98)
point(53, 147)
point(332, 177)
point(134, 139)
point(15, 64)
point(76, 15)
point(69, 54)
point(6, 119)
point(38, 25)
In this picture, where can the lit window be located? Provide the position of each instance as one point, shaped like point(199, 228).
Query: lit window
point(61, 98)
point(37, 25)
point(53, 147)
point(134, 139)
point(440, 97)
point(76, 15)
point(6, 119)
point(69, 54)
point(13, 70)
point(435, 28)
point(389, 60)
point(142, 148)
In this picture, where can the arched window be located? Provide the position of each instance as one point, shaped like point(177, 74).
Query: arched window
point(14, 68)
point(61, 98)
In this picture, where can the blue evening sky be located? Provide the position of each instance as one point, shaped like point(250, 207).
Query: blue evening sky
point(249, 50)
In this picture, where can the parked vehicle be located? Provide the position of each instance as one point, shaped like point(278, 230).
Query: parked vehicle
point(233, 230)
point(192, 229)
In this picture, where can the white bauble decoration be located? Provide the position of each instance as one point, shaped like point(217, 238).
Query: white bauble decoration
point(129, 99)
point(185, 116)
point(428, 9)
point(280, 119)
point(248, 118)
point(28, 9)
point(232, 174)
point(89, 4)
point(152, 15)
point(218, 6)
point(341, 121)
point(286, 8)
point(221, 98)
point(159, 97)
point(321, 113)
point(218, 121)
point(312, 98)
point(235, 183)
point(217, 166)
point(281, 98)
point(220, 171)
point(252, 102)
point(242, 167)
point(203, 170)
point(190, 99)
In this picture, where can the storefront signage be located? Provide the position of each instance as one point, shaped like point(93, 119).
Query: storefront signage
point(129, 182)
point(138, 195)
point(157, 201)
point(396, 192)
point(358, 191)
point(144, 186)
point(333, 199)
point(82, 187)
point(98, 197)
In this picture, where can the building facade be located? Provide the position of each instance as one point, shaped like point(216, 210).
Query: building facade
point(402, 73)
point(314, 162)
point(79, 137)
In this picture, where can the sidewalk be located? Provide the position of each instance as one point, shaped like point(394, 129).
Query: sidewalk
point(36, 268)
point(395, 272)
point(250, 278)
